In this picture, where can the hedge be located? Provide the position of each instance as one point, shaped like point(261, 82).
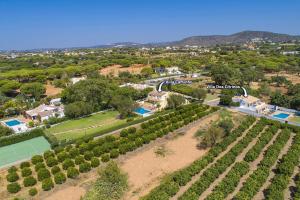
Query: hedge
point(16, 138)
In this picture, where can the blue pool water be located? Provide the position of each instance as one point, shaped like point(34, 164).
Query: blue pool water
point(281, 115)
point(13, 122)
point(141, 110)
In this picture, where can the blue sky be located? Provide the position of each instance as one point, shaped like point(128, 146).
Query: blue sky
point(27, 24)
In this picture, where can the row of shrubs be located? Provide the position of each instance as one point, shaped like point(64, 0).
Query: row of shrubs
point(212, 173)
point(284, 171)
point(231, 180)
point(296, 192)
point(84, 153)
point(183, 176)
point(254, 182)
point(263, 140)
point(228, 184)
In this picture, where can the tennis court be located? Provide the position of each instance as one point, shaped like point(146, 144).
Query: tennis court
point(14, 153)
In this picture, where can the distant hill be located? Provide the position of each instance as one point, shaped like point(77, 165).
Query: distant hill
point(237, 38)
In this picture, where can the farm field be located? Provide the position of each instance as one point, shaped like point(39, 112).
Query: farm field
point(248, 164)
point(77, 128)
point(75, 164)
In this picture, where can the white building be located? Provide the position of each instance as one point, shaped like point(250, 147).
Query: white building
point(173, 70)
point(77, 79)
point(251, 103)
point(136, 86)
point(44, 112)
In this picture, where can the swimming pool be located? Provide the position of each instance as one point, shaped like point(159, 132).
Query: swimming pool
point(281, 115)
point(13, 122)
point(141, 110)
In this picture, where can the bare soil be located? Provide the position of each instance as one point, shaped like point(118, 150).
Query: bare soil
point(146, 168)
point(294, 78)
point(114, 70)
point(51, 90)
point(195, 178)
point(69, 193)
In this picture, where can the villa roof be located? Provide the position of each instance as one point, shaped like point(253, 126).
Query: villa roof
point(250, 99)
point(39, 109)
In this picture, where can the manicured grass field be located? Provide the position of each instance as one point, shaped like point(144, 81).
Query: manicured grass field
point(77, 128)
point(210, 97)
point(22, 150)
point(295, 119)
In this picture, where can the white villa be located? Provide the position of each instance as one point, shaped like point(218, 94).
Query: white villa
point(44, 112)
point(159, 98)
point(136, 86)
point(77, 79)
point(251, 103)
point(173, 70)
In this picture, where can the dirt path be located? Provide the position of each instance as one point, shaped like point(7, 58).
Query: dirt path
point(253, 166)
point(146, 168)
point(70, 193)
point(260, 194)
point(291, 185)
point(195, 178)
point(239, 158)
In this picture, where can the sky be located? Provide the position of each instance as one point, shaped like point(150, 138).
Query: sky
point(29, 24)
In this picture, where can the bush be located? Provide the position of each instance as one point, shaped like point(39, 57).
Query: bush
point(55, 169)
point(32, 192)
point(72, 172)
point(39, 166)
point(79, 160)
point(84, 167)
point(51, 161)
point(12, 169)
point(24, 164)
point(48, 154)
point(29, 181)
point(88, 155)
point(68, 163)
point(12, 177)
point(13, 187)
point(62, 156)
point(47, 184)
point(114, 153)
point(95, 162)
point(105, 157)
point(26, 172)
point(74, 152)
point(36, 159)
point(43, 174)
point(59, 178)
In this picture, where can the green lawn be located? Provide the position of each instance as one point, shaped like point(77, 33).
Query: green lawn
point(77, 128)
point(210, 97)
point(295, 119)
